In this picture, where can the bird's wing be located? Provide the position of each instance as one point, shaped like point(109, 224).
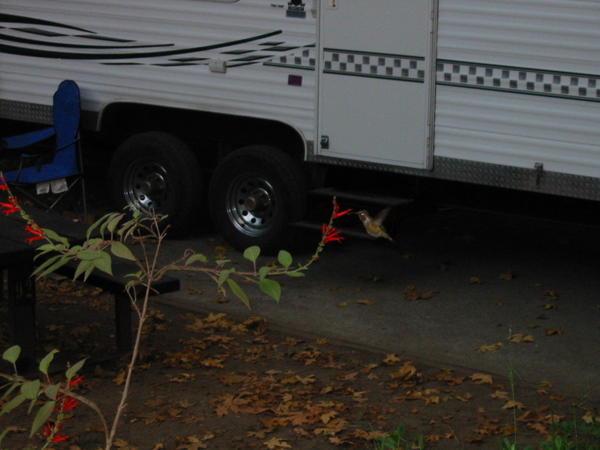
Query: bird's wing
point(381, 215)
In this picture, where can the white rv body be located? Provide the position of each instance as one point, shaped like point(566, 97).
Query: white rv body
point(496, 92)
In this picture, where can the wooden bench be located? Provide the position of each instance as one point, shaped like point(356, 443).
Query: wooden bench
point(12, 228)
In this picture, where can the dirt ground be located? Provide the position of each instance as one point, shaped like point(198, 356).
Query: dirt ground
point(210, 381)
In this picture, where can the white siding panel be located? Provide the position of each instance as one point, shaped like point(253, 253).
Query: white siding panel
point(251, 90)
point(518, 130)
point(558, 35)
point(516, 41)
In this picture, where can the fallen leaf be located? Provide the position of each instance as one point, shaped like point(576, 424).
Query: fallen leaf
point(342, 304)
point(391, 359)
point(490, 348)
point(518, 338)
point(589, 418)
point(554, 331)
point(549, 306)
point(500, 394)
point(513, 404)
point(411, 294)
point(404, 372)
point(365, 302)
point(474, 280)
point(120, 378)
point(481, 378)
point(274, 443)
point(506, 276)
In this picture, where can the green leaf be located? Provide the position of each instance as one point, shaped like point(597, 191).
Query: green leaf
point(46, 360)
point(95, 225)
point(285, 258)
point(109, 219)
point(9, 390)
point(12, 354)
point(114, 222)
point(45, 264)
point(252, 253)
point(120, 250)
point(58, 264)
point(264, 271)
point(294, 273)
point(44, 249)
point(13, 403)
point(5, 433)
point(88, 254)
point(238, 291)
point(82, 267)
point(42, 416)
point(54, 236)
point(30, 389)
point(52, 391)
point(72, 371)
point(224, 275)
point(104, 263)
point(197, 257)
point(271, 287)
point(88, 272)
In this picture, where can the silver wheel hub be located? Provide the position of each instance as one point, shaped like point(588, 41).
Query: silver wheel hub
point(145, 185)
point(251, 205)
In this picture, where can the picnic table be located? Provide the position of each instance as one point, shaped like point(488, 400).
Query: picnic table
point(18, 288)
point(18, 263)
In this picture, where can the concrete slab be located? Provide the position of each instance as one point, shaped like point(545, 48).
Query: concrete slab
point(493, 275)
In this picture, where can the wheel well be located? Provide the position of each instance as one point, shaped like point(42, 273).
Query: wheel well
point(211, 135)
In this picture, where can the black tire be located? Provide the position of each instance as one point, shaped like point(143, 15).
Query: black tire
point(255, 192)
point(157, 170)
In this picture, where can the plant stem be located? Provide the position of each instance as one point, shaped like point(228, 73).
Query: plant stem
point(150, 268)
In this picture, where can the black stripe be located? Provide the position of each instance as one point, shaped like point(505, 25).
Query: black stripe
point(20, 19)
point(360, 52)
point(516, 91)
point(58, 44)
point(88, 56)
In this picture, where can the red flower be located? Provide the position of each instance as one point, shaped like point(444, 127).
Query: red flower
point(11, 207)
point(68, 404)
point(330, 234)
point(336, 211)
point(49, 429)
point(76, 381)
point(36, 231)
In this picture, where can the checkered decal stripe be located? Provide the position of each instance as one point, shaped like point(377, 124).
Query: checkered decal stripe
point(305, 58)
point(377, 65)
point(515, 79)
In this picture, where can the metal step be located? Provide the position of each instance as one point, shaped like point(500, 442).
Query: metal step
point(361, 197)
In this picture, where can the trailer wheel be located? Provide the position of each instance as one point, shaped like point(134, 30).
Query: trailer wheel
point(254, 193)
point(156, 170)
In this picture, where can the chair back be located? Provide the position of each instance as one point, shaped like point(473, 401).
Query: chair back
point(66, 114)
point(65, 163)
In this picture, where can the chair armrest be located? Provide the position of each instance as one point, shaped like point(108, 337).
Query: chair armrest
point(27, 139)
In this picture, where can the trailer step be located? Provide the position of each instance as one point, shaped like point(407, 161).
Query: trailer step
point(361, 197)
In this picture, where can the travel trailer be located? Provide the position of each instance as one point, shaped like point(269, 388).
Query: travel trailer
point(257, 98)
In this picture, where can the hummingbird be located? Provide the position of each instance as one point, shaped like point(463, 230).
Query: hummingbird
point(374, 225)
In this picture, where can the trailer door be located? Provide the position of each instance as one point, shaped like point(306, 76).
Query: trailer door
point(375, 83)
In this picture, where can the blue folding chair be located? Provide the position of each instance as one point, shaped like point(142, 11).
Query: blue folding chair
point(62, 159)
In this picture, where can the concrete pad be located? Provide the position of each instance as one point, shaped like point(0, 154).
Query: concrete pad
point(493, 276)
